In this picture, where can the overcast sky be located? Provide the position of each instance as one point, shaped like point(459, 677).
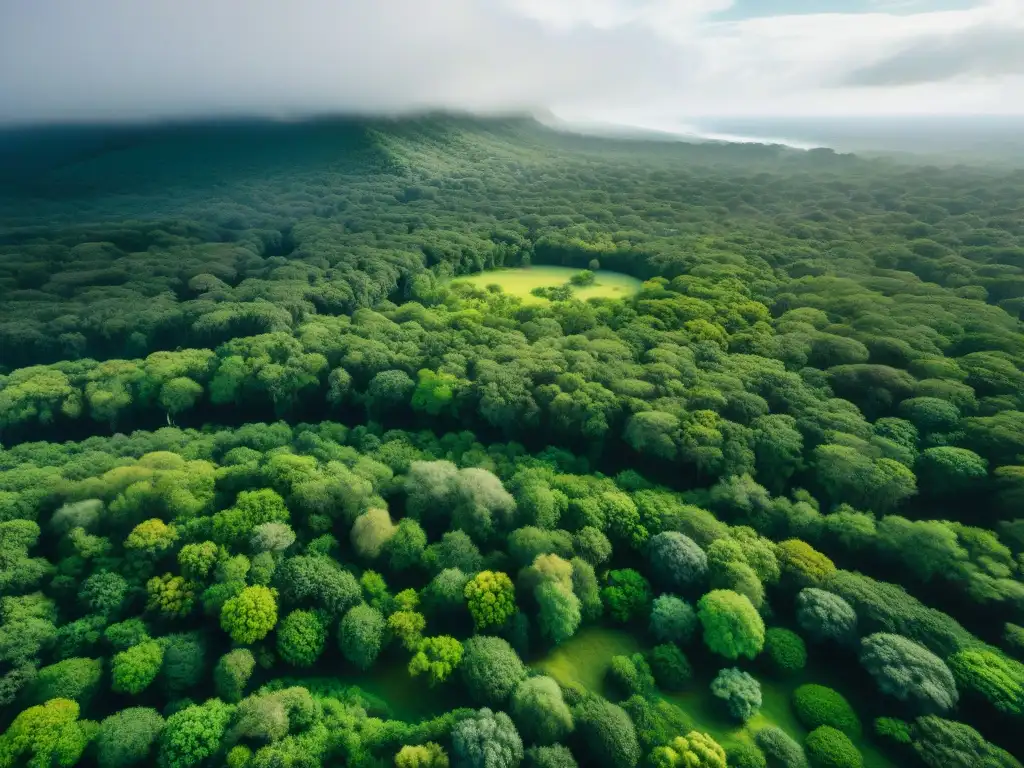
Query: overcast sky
point(604, 59)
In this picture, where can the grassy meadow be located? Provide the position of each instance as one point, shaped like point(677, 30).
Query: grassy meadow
point(584, 660)
point(519, 282)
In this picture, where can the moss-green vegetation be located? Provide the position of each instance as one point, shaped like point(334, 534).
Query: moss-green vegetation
point(278, 487)
point(585, 659)
point(522, 283)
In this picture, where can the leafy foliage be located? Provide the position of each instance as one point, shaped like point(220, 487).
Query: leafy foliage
point(250, 616)
point(193, 734)
point(676, 560)
point(232, 673)
point(780, 748)
point(673, 620)
point(134, 669)
point(437, 657)
point(46, 734)
point(626, 595)
point(940, 742)
point(429, 755)
point(744, 755)
point(826, 616)
point(540, 712)
point(487, 740)
point(671, 668)
point(784, 650)
point(607, 732)
point(491, 669)
point(814, 364)
point(740, 692)
point(491, 599)
point(301, 636)
point(817, 705)
point(75, 679)
point(909, 671)
point(732, 626)
point(830, 748)
point(695, 749)
point(127, 737)
point(361, 635)
point(991, 675)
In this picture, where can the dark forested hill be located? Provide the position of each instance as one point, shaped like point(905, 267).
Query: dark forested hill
point(811, 413)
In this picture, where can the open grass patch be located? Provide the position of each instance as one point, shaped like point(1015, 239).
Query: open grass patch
point(520, 283)
point(585, 659)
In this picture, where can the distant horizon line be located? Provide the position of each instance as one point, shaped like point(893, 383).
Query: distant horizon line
point(541, 115)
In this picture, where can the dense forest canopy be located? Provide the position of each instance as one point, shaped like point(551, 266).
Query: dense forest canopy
point(258, 449)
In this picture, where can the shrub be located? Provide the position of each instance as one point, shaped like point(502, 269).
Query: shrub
point(830, 748)
point(743, 755)
point(630, 675)
point(301, 637)
point(583, 277)
point(317, 581)
point(45, 735)
point(407, 627)
point(673, 620)
point(740, 691)
point(491, 599)
point(103, 592)
point(656, 720)
point(445, 594)
point(585, 587)
point(361, 634)
point(816, 705)
point(125, 634)
point(780, 749)
point(826, 616)
point(559, 613)
point(76, 679)
point(491, 669)
point(627, 595)
point(695, 750)
point(232, 673)
point(540, 711)
point(437, 657)
point(785, 651)
point(134, 669)
point(732, 626)
point(670, 667)
point(406, 547)
point(193, 734)
point(892, 729)
point(238, 757)
point(803, 564)
point(556, 756)
point(127, 737)
point(677, 562)
point(592, 545)
point(184, 664)
point(487, 740)
point(909, 671)
point(250, 615)
point(429, 755)
point(371, 532)
point(607, 734)
point(948, 744)
point(990, 675)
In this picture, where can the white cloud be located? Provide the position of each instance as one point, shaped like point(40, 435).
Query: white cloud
point(113, 59)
